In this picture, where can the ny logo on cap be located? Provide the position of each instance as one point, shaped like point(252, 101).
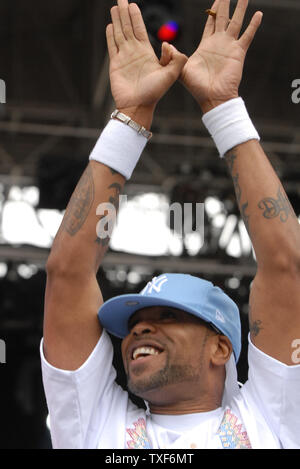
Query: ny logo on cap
point(155, 284)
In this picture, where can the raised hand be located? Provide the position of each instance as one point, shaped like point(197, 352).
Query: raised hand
point(138, 78)
point(214, 72)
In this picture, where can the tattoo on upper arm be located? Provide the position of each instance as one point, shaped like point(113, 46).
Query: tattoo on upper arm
point(255, 327)
point(280, 207)
point(80, 203)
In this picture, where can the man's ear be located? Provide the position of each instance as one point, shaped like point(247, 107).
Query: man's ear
point(221, 350)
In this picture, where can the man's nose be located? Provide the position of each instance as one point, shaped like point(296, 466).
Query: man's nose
point(143, 327)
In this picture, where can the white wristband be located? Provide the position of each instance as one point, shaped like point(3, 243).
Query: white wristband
point(119, 147)
point(229, 125)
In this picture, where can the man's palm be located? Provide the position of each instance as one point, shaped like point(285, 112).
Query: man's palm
point(139, 80)
point(214, 71)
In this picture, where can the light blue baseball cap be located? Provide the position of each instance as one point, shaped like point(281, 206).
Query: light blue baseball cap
point(185, 292)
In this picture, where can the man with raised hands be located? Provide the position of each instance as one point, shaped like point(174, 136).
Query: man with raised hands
point(181, 334)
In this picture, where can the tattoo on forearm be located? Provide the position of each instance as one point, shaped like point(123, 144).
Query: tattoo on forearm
point(230, 159)
point(80, 204)
point(113, 200)
point(237, 187)
point(113, 172)
point(255, 327)
point(245, 216)
point(280, 207)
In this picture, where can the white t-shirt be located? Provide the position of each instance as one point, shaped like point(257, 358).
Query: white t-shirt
point(88, 409)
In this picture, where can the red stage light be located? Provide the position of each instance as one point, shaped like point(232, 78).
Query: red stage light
point(168, 32)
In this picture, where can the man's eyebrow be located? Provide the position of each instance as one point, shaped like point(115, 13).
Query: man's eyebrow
point(134, 317)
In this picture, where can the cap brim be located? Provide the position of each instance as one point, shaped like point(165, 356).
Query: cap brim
point(115, 313)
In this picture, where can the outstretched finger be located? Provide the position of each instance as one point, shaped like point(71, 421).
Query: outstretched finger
point(236, 23)
point(111, 44)
point(248, 36)
point(209, 28)
point(118, 30)
point(222, 18)
point(138, 24)
point(125, 19)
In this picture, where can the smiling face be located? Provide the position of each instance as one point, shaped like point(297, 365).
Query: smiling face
point(167, 354)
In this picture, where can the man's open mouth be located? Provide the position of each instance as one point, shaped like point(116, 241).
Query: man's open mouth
point(145, 351)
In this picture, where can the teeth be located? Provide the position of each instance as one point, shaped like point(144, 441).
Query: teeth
point(142, 351)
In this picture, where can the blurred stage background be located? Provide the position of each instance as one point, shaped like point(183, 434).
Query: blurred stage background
point(54, 62)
